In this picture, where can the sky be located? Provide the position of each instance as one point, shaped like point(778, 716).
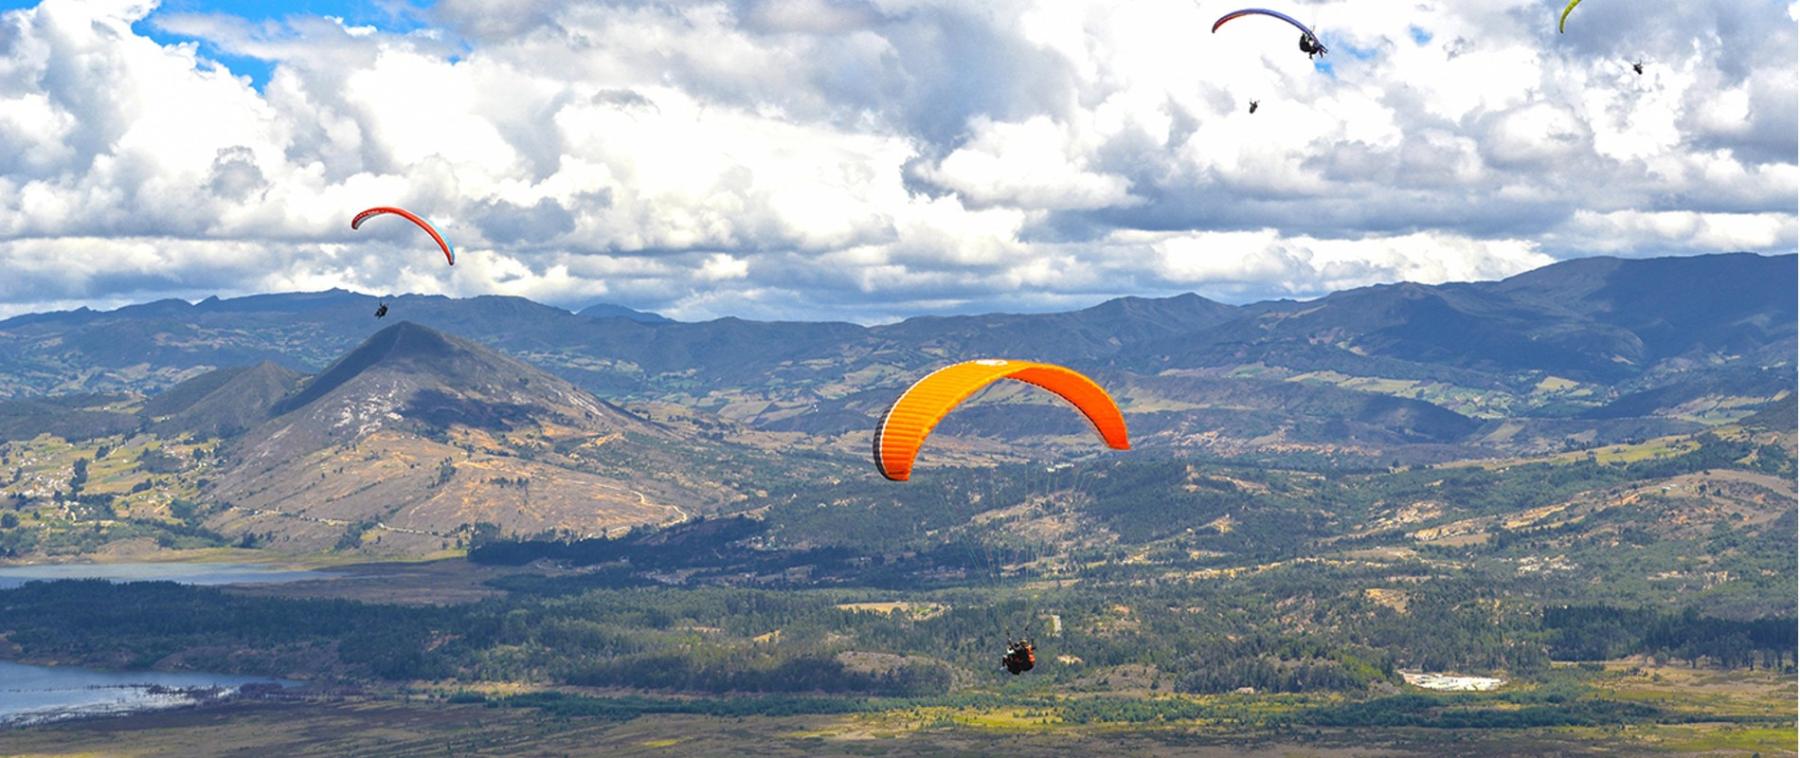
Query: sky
point(870, 160)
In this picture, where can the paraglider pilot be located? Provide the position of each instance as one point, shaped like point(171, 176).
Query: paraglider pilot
point(1638, 67)
point(1021, 656)
point(1310, 45)
point(381, 311)
point(1253, 105)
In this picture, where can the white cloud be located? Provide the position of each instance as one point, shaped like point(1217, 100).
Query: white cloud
point(1034, 164)
point(869, 159)
point(1625, 232)
point(722, 266)
point(1306, 266)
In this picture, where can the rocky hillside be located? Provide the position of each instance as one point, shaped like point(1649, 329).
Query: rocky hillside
point(415, 437)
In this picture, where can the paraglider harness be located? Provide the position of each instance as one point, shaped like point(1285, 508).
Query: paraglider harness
point(1638, 67)
point(1253, 105)
point(382, 311)
point(1311, 46)
point(1021, 656)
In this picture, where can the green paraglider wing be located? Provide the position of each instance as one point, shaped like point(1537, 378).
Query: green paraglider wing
point(1564, 21)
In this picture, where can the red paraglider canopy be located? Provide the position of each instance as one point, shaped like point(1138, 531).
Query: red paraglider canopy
point(449, 254)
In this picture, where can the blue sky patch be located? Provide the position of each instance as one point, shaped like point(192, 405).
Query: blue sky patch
point(1357, 53)
point(257, 69)
point(387, 17)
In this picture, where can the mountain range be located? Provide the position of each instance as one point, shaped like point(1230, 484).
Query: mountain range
point(299, 421)
point(1601, 320)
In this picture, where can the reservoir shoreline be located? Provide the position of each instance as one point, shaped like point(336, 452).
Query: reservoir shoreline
point(32, 694)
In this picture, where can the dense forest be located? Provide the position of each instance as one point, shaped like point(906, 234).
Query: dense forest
point(819, 641)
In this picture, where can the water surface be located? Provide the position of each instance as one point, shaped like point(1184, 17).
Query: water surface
point(39, 694)
point(181, 573)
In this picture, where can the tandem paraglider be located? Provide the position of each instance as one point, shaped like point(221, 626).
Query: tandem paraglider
point(382, 210)
point(1021, 656)
point(911, 418)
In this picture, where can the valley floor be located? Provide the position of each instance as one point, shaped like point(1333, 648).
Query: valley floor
point(401, 728)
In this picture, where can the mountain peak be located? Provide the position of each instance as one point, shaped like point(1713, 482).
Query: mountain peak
point(609, 310)
point(383, 432)
point(412, 349)
point(407, 338)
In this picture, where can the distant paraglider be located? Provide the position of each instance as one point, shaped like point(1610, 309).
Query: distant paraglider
point(911, 418)
point(1254, 104)
point(381, 312)
point(449, 254)
point(1309, 42)
point(1638, 67)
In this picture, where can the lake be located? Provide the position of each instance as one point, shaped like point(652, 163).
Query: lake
point(180, 573)
point(39, 694)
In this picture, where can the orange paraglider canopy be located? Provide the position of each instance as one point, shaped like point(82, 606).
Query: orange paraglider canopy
point(923, 405)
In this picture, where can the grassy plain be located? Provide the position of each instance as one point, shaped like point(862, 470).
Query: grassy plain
point(401, 727)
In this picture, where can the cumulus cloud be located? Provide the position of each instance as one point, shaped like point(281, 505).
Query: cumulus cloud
point(872, 159)
point(1033, 164)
